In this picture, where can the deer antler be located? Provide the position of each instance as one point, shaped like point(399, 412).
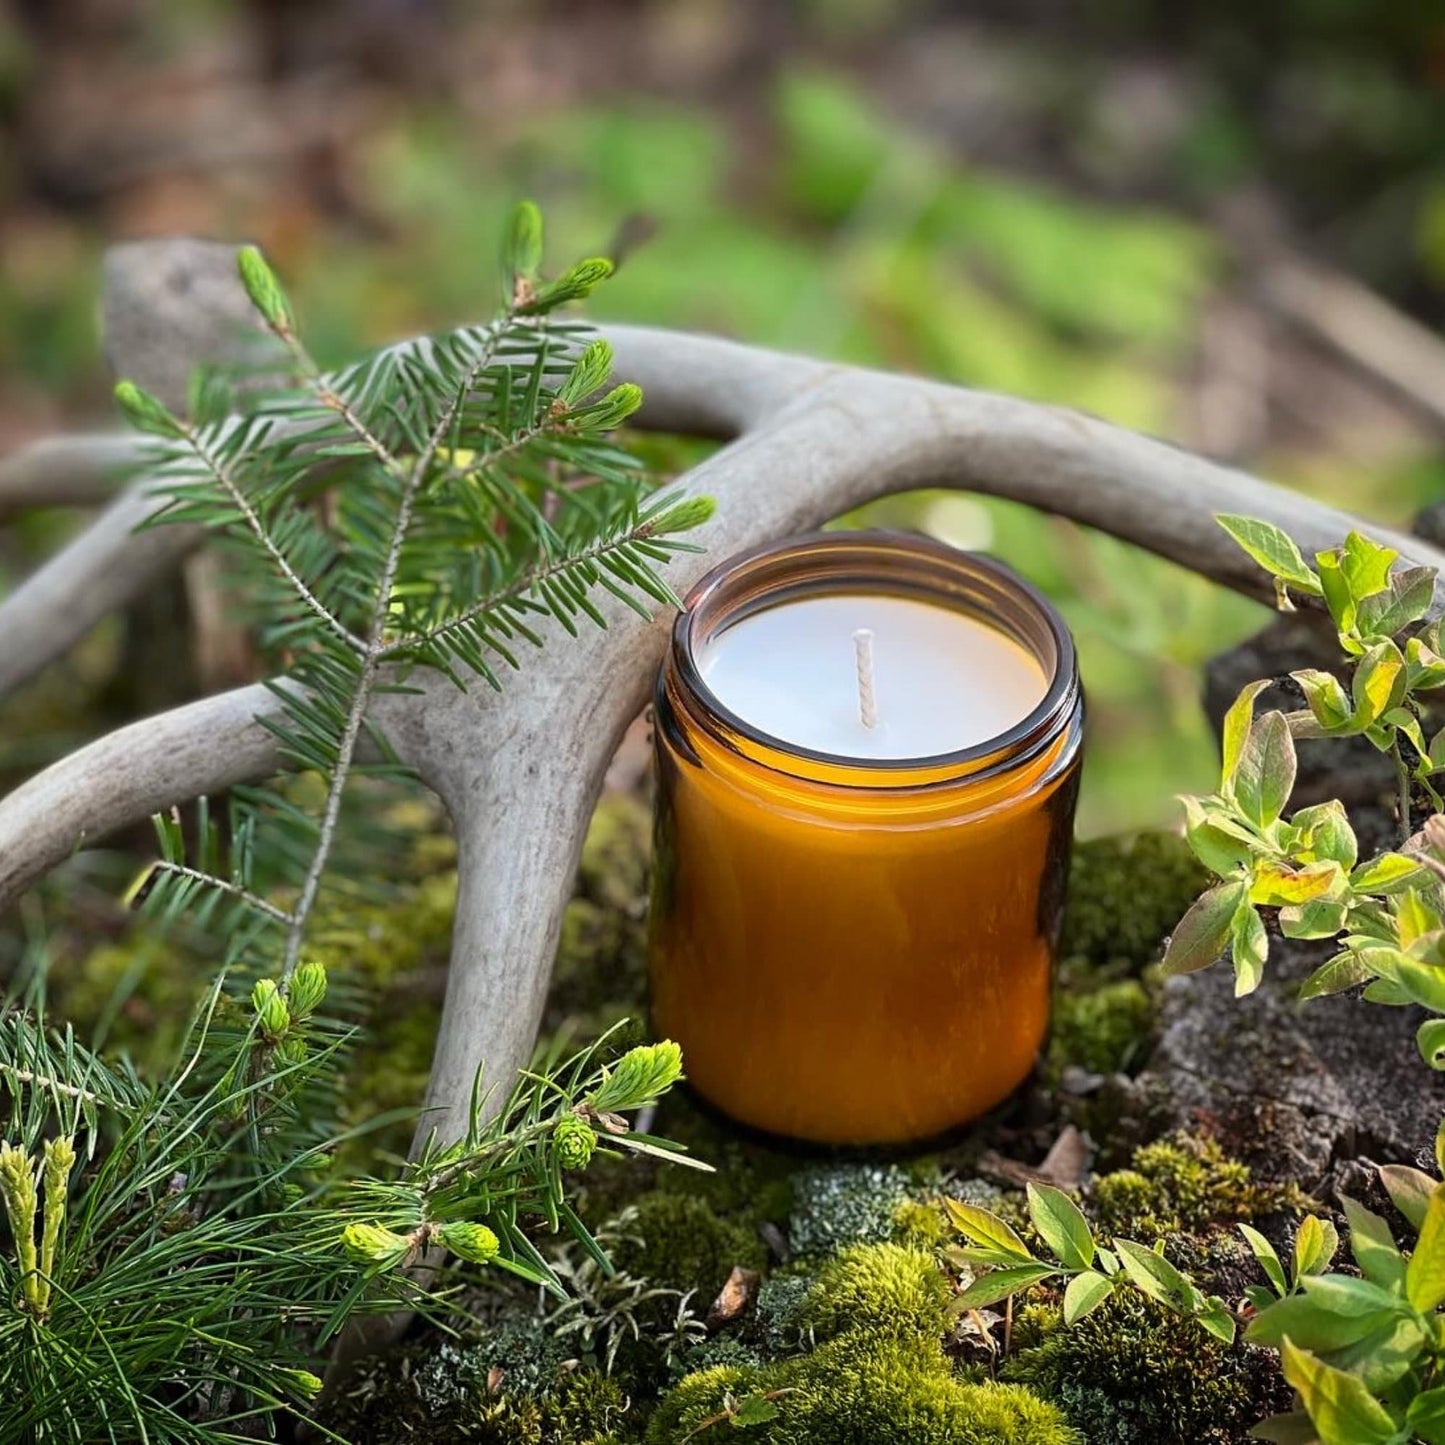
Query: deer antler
point(520, 771)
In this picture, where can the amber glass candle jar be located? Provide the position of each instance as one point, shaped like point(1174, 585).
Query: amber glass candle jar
point(853, 949)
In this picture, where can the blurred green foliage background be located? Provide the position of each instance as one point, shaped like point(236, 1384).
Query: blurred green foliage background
point(1068, 202)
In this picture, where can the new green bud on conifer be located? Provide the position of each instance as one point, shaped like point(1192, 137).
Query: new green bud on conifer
point(575, 1139)
point(374, 1244)
point(271, 1009)
point(474, 1242)
point(639, 1076)
point(263, 288)
point(308, 988)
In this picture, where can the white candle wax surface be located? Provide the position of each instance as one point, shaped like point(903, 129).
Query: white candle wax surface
point(943, 680)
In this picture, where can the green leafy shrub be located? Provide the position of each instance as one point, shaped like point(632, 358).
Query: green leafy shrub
point(1364, 1355)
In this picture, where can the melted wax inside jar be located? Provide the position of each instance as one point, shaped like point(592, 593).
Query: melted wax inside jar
point(942, 680)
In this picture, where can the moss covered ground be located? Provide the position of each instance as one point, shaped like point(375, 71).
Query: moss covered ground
point(800, 1297)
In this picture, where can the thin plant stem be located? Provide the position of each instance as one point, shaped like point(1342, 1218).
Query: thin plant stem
point(1402, 784)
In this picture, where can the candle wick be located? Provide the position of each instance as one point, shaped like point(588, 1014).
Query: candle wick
point(863, 655)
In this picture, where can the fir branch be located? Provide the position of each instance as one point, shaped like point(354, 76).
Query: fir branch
point(374, 650)
point(233, 489)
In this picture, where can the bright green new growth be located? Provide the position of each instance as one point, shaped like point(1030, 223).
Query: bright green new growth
point(1366, 1356)
point(422, 508)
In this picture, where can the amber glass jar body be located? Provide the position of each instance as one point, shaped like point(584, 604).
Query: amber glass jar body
point(858, 952)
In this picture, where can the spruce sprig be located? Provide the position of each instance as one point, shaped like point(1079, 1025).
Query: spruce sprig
point(426, 506)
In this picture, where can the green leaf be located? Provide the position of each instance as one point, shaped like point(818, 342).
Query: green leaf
point(1426, 1416)
point(1152, 1273)
point(1425, 1274)
point(1373, 1246)
point(1328, 701)
point(1085, 1293)
point(1407, 599)
point(1388, 873)
point(1200, 937)
point(264, 289)
point(1343, 1411)
point(1064, 1229)
point(753, 1410)
point(1315, 1243)
point(1310, 1324)
point(1265, 776)
point(1249, 948)
point(1424, 667)
point(1345, 970)
point(522, 249)
point(1237, 723)
point(978, 1225)
point(1378, 683)
point(1409, 1190)
point(1217, 1321)
point(1295, 1428)
point(1277, 885)
point(998, 1284)
point(1268, 1259)
point(1327, 834)
point(1430, 1040)
point(1366, 565)
point(1220, 851)
point(1273, 548)
point(1319, 919)
point(1418, 982)
point(1338, 598)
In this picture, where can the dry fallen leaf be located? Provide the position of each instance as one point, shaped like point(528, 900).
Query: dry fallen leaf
point(735, 1297)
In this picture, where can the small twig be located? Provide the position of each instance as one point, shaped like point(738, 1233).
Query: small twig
point(242, 895)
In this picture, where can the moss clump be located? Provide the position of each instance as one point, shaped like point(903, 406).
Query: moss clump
point(1133, 1373)
point(854, 1389)
point(920, 1223)
point(1125, 896)
point(887, 1289)
point(843, 1204)
point(1105, 1030)
point(1184, 1183)
point(678, 1242)
point(880, 1374)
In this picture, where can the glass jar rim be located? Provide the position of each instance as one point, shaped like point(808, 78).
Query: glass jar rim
point(1009, 748)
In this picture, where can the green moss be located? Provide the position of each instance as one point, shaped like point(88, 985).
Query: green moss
point(888, 1395)
point(858, 1389)
point(680, 1243)
point(1105, 1030)
point(1183, 1183)
point(1125, 896)
point(842, 1204)
point(920, 1223)
point(1133, 1373)
point(886, 1289)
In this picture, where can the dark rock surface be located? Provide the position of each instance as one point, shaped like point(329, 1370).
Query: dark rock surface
point(1296, 1089)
